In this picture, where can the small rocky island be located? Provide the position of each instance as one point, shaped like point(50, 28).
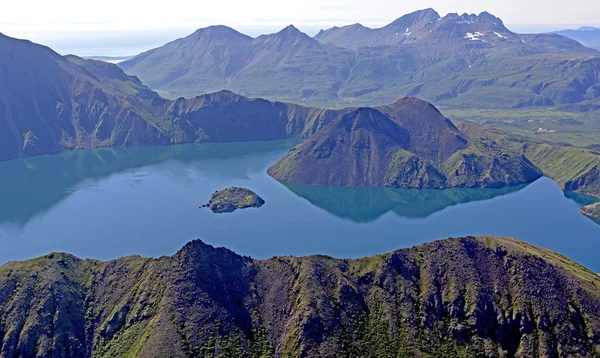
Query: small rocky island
point(230, 199)
point(592, 212)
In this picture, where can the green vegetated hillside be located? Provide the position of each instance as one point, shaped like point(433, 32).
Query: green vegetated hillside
point(468, 297)
point(556, 126)
point(408, 144)
point(574, 169)
point(455, 60)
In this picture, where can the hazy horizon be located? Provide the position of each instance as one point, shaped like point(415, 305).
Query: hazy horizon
point(136, 28)
point(129, 43)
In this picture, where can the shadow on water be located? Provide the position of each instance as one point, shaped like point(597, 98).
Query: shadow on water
point(366, 204)
point(32, 185)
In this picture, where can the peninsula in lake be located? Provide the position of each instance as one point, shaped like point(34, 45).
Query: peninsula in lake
point(408, 144)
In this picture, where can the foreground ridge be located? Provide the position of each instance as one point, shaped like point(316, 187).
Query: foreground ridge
point(467, 296)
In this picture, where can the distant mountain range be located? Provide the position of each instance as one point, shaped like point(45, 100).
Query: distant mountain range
point(457, 60)
point(586, 35)
point(484, 296)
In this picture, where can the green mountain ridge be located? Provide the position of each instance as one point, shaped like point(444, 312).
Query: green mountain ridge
point(458, 297)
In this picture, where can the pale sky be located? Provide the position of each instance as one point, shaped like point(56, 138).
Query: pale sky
point(71, 24)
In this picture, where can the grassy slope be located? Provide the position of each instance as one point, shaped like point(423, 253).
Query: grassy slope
point(564, 127)
point(574, 169)
point(456, 297)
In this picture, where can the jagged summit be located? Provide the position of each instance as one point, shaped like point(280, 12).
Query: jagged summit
point(423, 26)
point(483, 23)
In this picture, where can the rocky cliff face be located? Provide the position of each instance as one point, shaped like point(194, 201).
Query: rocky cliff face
point(408, 144)
point(481, 296)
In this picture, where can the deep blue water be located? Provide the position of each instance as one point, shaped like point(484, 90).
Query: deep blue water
point(109, 203)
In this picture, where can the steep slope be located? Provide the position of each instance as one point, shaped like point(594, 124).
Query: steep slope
point(47, 103)
point(433, 137)
point(408, 144)
point(470, 61)
point(458, 297)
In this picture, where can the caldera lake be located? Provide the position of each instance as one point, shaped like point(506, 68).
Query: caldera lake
point(108, 203)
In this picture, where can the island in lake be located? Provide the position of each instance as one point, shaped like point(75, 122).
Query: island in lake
point(233, 198)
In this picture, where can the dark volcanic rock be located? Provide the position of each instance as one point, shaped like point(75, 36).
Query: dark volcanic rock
point(230, 199)
point(468, 297)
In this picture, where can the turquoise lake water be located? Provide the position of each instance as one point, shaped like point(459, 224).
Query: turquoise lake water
point(108, 203)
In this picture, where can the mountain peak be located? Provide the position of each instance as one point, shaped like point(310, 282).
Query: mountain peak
point(291, 31)
point(425, 14)
point(288, 36)
point(219, 33)
point(409, 20)
point(365, 118)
